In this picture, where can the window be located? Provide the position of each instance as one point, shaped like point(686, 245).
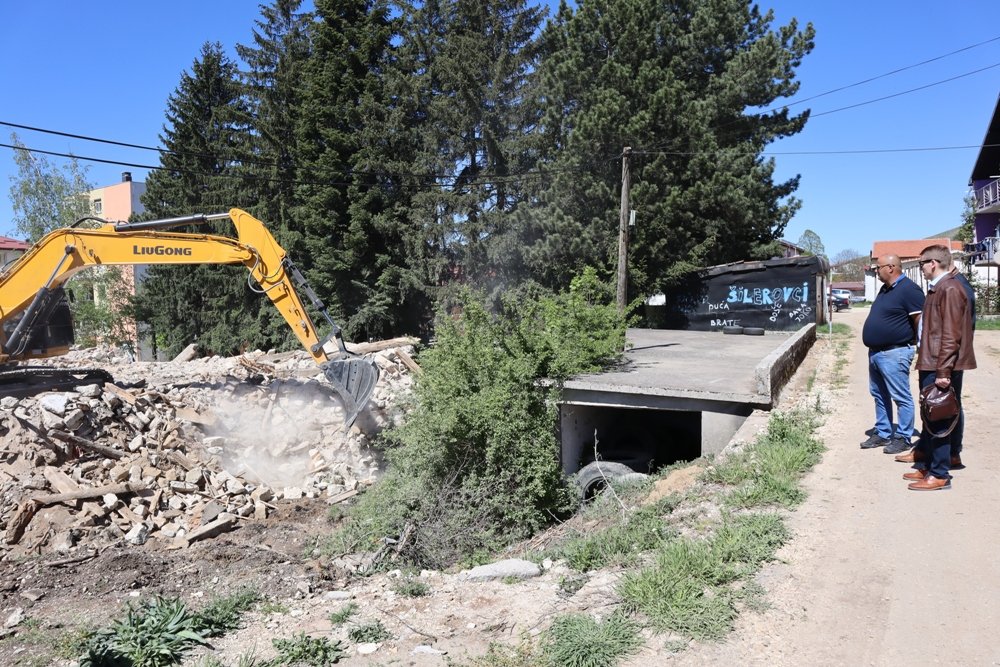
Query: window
point(98, 207)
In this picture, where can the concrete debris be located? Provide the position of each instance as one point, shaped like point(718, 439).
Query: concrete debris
point(179, 451)
point(513, 568)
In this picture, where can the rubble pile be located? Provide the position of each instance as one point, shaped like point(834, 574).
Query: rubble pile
point(174, 452)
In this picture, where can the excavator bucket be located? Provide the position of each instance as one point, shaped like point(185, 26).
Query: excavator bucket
point(354, 379)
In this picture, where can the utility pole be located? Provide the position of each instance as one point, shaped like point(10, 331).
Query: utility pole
point(623, 234)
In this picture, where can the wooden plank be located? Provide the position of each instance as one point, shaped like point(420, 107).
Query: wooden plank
point(123, 394)
point(83, 443)
point(83, 494)
point(18, 524)
point(378, 345)
point(408, 362)
point(60, 481)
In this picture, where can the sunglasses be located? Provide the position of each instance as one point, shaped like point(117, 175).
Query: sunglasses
point(926, 261)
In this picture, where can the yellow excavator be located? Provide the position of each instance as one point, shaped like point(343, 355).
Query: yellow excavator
point(34, 314)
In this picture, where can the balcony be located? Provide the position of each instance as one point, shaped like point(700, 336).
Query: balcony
point(984, 253)
point(988, 197)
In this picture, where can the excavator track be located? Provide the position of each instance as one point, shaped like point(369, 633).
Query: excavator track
point(29, 380)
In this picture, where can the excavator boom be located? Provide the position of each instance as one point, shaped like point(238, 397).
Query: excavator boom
point(31, 287)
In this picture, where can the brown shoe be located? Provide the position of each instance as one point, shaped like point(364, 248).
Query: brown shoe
point(956, 463)
point(916, 475)
point(930, 483)
point(909, 457)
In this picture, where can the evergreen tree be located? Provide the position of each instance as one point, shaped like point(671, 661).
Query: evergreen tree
point(676, 82)
point(352, 247)
point(488, 57)
point(208, 304)
point(271, 83)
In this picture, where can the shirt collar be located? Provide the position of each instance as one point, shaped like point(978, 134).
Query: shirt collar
point(933, 283)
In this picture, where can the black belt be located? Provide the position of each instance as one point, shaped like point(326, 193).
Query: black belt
point(886, 348)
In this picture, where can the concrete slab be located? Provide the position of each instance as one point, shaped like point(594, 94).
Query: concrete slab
point(698, 365)
point(674, 391)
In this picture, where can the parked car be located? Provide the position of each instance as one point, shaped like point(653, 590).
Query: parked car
point(840, 299)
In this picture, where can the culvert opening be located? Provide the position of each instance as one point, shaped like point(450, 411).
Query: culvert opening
point(644, 440)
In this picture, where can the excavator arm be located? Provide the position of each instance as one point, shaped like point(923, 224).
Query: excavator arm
point(28, 287)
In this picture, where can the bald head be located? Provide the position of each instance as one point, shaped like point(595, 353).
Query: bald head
point(891, 260)
point(889, 268)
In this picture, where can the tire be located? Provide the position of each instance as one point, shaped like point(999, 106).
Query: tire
point(732, 330)
point(753, 331)
point(593, 477)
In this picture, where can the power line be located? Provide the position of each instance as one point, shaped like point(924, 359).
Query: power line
point(478, 180)
point(882, 76)
point(113, 142)
point(905, 92)
point(833, 152)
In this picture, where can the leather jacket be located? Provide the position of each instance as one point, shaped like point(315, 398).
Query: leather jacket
point(946, 336)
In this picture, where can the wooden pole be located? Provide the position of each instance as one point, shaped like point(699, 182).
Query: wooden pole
point(623, 233)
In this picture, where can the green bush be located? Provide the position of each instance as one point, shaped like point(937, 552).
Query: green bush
point(475, 466)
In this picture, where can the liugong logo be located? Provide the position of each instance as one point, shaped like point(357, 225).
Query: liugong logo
point(159, 250)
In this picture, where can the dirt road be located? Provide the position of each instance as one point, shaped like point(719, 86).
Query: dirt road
point(877, 574)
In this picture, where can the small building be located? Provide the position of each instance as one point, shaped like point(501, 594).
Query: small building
point(908, 252)
point(790, 249)
point(775, 295)
point(118, 203)
point(11, 249)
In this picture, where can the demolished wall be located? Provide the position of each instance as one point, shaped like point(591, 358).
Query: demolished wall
point(180, 451)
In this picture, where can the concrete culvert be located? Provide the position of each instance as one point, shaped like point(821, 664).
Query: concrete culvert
point(594, 477)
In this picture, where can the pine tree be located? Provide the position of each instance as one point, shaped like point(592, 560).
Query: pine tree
point(271, 84)
point(351, 248)
point(208, 304)
point(680, 84)
point(487, 61)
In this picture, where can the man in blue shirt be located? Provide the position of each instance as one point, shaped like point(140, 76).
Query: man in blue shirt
point(890, 333)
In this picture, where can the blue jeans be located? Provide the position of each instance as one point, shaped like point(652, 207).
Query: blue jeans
point(889, 382)
point(938, 451)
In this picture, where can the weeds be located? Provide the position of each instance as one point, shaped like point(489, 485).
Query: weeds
point(155, 633)
point(618, 545)
point(689, 590)
point(305, 650)
point(224, 614)
point(767, 472)
point(411, 588)
point(343, 614)
point(569, 585)
point(160, 630)
point(273, 607)
point(369, 633)
point(578, 640)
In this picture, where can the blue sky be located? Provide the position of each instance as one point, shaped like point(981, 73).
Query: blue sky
point(105, 69)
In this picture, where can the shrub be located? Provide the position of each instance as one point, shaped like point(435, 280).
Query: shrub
point(475, 466)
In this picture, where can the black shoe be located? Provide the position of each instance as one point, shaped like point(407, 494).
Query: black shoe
point(875, 441)
point(896, 446)
point(870, 431)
